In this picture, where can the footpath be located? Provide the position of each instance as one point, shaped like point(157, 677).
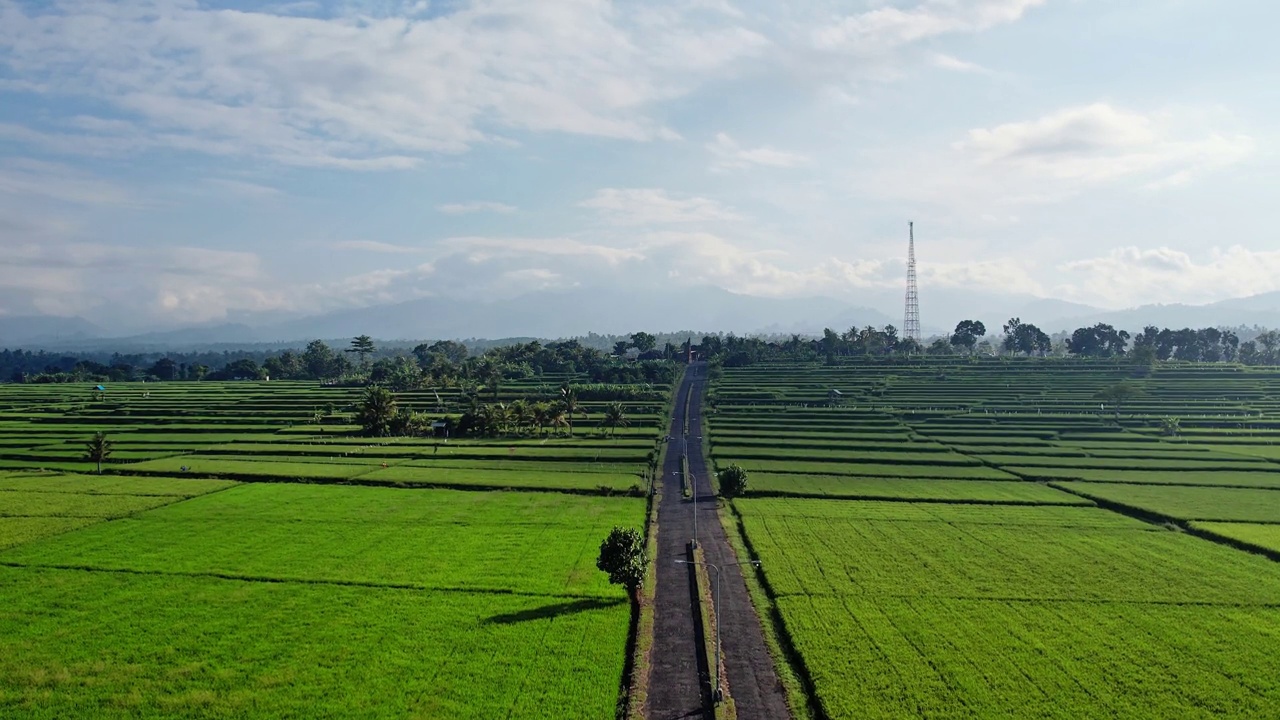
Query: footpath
point(678, 684)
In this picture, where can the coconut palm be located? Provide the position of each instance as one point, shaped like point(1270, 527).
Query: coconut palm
point(98, 449)
point(615, 416)
point(559, 419)
point(569, 401)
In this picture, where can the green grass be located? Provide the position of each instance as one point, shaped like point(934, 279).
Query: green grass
point(978, 491)
point(896, 657)
point(918, 610)
point(527, 542)
point(18, 530)
point(1153, 477)
point(110, 645)
point(1189, 503)
point(113, 484)
point(21, 503)
point(958, 472)
point(1262, 536)
point(493, 478)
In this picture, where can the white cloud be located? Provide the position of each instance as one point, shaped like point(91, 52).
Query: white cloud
point(955, 64)
point(475, 207)
point(1099, 143)
point(361, 91)
point(375, 246)
point(483, 248)
point(886, 27)
point(729, 155)
point(52, 181)
point(1061, 154)
point(1130, 275)
point(1005, 275)
point(241, 188)
point(174, 283)
point(653, 206)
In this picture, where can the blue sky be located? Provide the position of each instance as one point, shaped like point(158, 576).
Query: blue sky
point(172, 162)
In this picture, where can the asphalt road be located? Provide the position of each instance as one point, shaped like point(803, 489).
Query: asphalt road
point(678, 684)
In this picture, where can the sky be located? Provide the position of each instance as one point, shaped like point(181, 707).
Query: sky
point(171, 162)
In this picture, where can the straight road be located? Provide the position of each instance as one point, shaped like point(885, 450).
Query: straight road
point(677, 683)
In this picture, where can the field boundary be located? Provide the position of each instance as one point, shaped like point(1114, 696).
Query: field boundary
point(307, 581)
point(634, 690)
point(603, 491)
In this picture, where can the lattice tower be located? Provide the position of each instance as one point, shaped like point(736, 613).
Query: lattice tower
point(911, 323)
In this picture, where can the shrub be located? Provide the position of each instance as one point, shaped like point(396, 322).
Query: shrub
point(732, 480)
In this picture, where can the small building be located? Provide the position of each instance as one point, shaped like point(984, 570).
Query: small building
point(834, 397)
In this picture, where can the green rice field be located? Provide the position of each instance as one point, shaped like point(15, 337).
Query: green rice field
point(986, 539)
point(237, 558)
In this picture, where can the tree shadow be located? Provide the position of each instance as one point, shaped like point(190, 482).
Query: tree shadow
point(553, 611)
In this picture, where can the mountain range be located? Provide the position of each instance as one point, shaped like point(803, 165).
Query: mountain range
point(565, 313)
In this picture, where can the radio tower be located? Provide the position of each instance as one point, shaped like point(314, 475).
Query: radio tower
point(911, 324)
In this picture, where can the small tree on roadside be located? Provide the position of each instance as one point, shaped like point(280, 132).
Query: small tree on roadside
point(98, 449)
point(732, 481)
point(377, 411)
point(622, 556)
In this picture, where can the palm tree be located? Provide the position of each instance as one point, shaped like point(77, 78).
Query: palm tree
point(571, 406)
point(521, 414)
point(541, 416)
point(559, 420)
point(615, 416)
point(98, 449)
point(491, 375)
point(377, 410)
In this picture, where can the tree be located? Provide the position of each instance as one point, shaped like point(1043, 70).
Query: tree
point(1101, 340)
point(643, 341)
point(623, 557)
point(377, 411)
point(491, 373)
point(569, 399)
point(362, 346)
point(939, 347)
point(1011, 334)
point(1118, 394)
point(1025, 338)
point(319, 360)
point(967, 334)
point(620, 348)
point(732, 481)
point(98, 449)
point(164, 369)
point(615, 416)
point(1170, 426)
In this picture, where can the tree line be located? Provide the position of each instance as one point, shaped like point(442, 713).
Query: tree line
point(441, 363)
point(1018, 338)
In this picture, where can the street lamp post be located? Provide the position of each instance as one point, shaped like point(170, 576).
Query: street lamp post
point(716, 695)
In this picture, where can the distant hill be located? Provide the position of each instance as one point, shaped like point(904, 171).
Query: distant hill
point(566, 313)
point(24, 330)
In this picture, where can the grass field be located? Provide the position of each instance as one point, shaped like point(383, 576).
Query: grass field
point(913, 583)
point(165, 588)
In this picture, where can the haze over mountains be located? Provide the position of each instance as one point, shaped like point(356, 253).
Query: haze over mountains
point(553, 314)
